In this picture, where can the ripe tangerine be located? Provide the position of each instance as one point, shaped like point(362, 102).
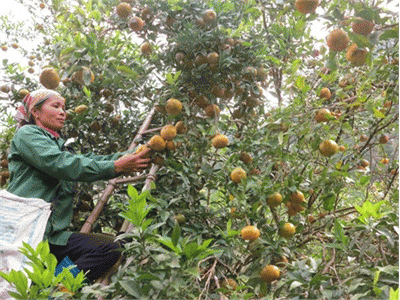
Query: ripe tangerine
point(250, 233)
point(337, 40)
point(270, 273)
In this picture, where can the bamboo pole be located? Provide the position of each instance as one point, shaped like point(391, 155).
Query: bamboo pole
point(88, 226)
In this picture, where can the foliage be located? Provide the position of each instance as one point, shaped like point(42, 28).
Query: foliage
point(267, 81)
point(38, 281)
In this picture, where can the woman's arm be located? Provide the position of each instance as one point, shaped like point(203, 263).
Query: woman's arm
point(42, 152)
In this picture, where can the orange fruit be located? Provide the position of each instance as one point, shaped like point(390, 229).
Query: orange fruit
point(325, 93)
point(310, 219)
point(383, 139)
point(250, 233)
point(49, 78)
point(387, 104)
point(212, 110)
point(297, 207)
point(81, 109)
point(83, 76)
point(136, 23)
point(123, 9)
point(363, 138)
point(4, 163)
point(220, 141)
point(168, 132)
point(364, 163)
point(270, 273)
point(230, 284)
point(179, 56)
point(180, 127)
point(201, 101)
point(209, 16)
point(233, 211)
point(274, 200)
point(22, 93)
point(246, 158)
point(288, 230)
point(290, 209)
point(238, 174)
point(141, 148)
point(145, 48)
point(115, 120)
point(5, 89)
point(337, 40)
point(173, 107)
point(157, 143)
point(170, 145)
point(362, 26)
point(321, 115)
point(212, 58)
point(385, 161)
point(180, 218)
point(5, 174)
point(328, 148)
point(297, 197)
point(306, 6)
point(357, 56)
point(342, 148)
point(280, 261)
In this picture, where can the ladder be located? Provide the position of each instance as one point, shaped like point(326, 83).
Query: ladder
point(111, 185)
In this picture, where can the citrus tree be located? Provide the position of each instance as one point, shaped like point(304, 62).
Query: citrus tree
point(278, 151)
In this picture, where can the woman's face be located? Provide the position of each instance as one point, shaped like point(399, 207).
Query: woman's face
point(51, 114)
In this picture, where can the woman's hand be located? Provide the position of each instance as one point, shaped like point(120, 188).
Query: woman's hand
point(133, 162)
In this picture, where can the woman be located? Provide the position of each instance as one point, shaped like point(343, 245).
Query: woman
point(40, 168)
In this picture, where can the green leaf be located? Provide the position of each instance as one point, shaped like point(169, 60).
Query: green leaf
point(394, 294)
point(176, 233)
point(365, 180)
point(166, 241)
point(132, 192)
point(191, 250)
point(390, 34)
point(205, 244)
point(368, 210)
point(378, 113)
point(329, 202)
point(300, 82)
point(295, 284)
point(339, 233)
point(132, 288)
point(376, 277)
point(126, 70)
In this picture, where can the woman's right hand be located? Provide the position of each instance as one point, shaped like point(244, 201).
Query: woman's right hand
point(132, 162)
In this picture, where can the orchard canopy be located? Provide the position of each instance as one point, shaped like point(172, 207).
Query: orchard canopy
point(278, 149)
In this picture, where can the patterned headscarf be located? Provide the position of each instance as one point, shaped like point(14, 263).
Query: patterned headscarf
point(24, 112)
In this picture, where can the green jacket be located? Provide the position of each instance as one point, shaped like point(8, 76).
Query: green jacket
point(39, 168)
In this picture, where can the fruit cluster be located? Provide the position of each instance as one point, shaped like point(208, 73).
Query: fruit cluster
point(5, 174)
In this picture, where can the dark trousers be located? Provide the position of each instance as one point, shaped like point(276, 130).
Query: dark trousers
point(95, 253)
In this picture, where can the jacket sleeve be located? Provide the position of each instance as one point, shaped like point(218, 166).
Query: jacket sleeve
point(99, 157)
point(43, 153)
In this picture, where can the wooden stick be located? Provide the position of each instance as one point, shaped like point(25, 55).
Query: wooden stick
point(87, 227)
